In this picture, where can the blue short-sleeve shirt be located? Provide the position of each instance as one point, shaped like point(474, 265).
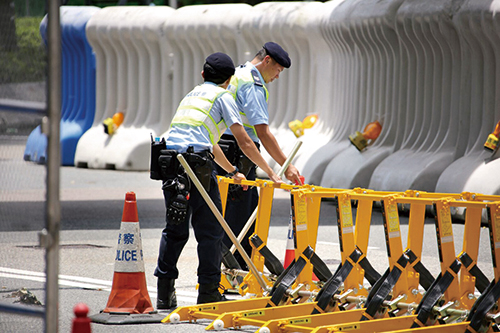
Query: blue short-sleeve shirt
point(251, 100)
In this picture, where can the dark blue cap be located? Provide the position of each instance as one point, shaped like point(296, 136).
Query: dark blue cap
point(221, 64)
point(277, 53)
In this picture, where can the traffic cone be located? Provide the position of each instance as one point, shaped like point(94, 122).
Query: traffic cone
point(129, 300)
point(290, 246)
point(290, 243)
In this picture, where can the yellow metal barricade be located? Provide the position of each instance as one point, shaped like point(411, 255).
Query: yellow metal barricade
point(299, 312)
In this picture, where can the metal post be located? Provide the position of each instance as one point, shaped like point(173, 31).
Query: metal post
point(49, 237)
point(172, 3)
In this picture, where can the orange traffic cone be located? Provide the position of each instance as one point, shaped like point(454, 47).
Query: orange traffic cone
point(290, 246)
point(129, 293)
point(290, 243)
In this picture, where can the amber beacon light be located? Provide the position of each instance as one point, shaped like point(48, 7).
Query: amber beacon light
point(111, 124)
point(369, 135)
point(298, 126)
point(491, 143)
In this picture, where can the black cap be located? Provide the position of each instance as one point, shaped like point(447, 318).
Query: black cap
point(220, 64)
point(277, 53)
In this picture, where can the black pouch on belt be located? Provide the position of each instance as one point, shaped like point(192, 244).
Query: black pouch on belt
point(230, 149)
point(245, 165)
point(169, 164)
point(201, 165)
point(154, 169)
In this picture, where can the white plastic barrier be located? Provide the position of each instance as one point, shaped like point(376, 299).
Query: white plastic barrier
point(262, 24)
point(430, 137)
point(128, 82)
point(370, 27)
point(314, 64)
point(339, 120)
point(427, 70)
point(478, 24)
point(192, 34)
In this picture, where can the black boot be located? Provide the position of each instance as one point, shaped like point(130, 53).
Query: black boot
point(209, 293)
point(166, 294)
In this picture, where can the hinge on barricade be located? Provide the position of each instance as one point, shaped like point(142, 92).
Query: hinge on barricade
point(325, 297)
point(426, 277)
point(481, 280)
point(482, 306)
point(230, 262)
point(280, 288)
point(320, 268)
point(381, 291)
point(434, 294)
point(370, 273)
point(271, 262)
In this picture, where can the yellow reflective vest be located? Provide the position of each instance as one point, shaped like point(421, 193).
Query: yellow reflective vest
point(194, 110)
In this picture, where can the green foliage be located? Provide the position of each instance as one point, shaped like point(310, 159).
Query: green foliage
point(27, 62)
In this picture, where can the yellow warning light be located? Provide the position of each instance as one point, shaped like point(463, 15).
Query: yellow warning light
point(298, 126)
point(111, 124)
point(369, 135)
point(492, 141)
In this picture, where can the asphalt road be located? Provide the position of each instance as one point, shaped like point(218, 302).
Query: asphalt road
point(92, 204)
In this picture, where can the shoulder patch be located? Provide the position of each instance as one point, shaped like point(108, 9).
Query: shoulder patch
point(256, 78)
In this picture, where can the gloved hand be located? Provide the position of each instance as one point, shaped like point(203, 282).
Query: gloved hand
point(177, 209)
point(235, 192)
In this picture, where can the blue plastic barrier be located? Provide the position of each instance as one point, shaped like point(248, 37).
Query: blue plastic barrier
point(78, 86)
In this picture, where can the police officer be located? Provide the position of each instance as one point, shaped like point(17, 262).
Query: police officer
point(248, 86)
point(202, 116)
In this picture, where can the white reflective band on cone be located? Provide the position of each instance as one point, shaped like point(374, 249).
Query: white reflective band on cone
point(129, 257)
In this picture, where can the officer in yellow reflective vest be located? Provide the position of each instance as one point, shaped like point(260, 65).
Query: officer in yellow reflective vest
point(248, 86)
point(201, 118)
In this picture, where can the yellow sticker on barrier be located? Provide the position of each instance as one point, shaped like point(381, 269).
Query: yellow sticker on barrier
point(346, 214)
point(253, 314)
point(446, 227)
point(392, 218)
point(301, 214)
point(207, 308)
point(497, 227)
point(299, 321)
point(346, 327)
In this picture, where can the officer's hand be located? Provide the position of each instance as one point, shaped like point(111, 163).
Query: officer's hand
point(293, 175)
point(275, 178)
point(239, 177)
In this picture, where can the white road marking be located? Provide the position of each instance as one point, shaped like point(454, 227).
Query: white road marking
point(84, 282)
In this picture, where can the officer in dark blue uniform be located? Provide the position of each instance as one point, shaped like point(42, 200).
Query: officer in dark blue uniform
point(201, 118)
point(248, 86)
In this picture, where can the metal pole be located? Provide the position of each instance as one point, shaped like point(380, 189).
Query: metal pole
point(49, 237)
point(252, 218)
point(172, 3)
point(222, 222)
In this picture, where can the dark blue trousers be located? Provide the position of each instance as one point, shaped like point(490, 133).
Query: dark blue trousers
point(237, 214)
point(208, 233)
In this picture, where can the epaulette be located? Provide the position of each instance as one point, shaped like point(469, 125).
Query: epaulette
point(256, 77)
